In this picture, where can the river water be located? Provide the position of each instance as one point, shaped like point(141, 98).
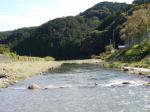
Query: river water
point(72, 88)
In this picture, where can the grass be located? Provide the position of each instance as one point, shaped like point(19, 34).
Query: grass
point(22, 67)
point(16, 57)
point(4, 49)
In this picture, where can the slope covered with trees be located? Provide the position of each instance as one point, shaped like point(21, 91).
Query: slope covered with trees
point(136, 34)
point(136, 28)
point(141, 1)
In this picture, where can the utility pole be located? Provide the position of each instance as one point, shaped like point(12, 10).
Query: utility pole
point(128, 42)
point(114, 43)
point(147, 28)
point(110, 41)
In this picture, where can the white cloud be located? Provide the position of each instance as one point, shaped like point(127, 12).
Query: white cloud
point(13, 21)
point(33, 17)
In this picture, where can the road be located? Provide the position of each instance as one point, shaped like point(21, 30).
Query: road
point(4, 59)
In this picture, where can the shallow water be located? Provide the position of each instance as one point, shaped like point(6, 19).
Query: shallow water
point(72, 89)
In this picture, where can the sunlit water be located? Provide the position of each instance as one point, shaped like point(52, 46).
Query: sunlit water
point(72, 89)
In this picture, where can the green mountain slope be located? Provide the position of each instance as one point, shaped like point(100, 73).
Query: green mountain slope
point(104, 9)
point(141, 1)
point(136, 34)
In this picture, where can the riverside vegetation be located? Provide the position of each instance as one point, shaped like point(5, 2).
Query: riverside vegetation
point(94, 33)
point(136, 35)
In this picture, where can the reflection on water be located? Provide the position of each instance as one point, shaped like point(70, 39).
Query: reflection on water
point(78, 88)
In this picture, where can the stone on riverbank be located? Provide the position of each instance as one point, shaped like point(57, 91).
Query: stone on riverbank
point(148, 76)
point(125, 69)
point(4, 73)
point(3, 76)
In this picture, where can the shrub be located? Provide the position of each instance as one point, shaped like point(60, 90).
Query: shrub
point(13, 56)
point(109, 48)
point(48, 58)
point(138, 52)
point(4, 49)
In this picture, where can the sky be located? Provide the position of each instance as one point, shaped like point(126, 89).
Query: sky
point(16, 14)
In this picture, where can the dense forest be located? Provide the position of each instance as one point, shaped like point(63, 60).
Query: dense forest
point(74, 37)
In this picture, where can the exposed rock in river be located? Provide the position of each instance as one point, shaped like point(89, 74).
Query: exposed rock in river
point(148, 76)
point(34, 86)
point(126, 83)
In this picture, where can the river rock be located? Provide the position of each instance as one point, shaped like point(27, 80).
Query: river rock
point(140, 73)
point(126, 83)
point(3, 76)
point(125, 69)
point(148, 76)
point(33, 86)
point(95, 84)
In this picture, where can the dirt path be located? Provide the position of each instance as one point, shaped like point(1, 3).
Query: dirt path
point(4, 59)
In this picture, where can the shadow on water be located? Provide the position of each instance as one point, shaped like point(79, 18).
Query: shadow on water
point(67, 67)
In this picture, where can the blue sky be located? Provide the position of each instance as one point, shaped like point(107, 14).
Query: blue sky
point(24, 13)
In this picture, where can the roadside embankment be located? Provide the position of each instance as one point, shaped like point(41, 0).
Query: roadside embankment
point(126, 67)
point(135, 70)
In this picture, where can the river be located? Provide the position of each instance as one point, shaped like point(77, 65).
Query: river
point(78, 88)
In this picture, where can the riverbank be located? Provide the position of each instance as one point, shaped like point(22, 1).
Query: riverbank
point(13, 72)
point(127, 67)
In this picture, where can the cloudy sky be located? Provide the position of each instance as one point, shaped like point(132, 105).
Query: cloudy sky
point(24, 13)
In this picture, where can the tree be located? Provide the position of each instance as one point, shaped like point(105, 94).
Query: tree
point(137, 25)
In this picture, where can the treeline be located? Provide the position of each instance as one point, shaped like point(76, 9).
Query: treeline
point(141, 1)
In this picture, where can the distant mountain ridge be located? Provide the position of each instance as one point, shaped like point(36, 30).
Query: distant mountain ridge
point(141, 1)
point(104, 9)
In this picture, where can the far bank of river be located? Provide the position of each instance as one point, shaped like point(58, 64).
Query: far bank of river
point(128, 68)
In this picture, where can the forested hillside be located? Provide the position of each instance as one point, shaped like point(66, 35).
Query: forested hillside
point(141, 1)
point(63, 38)
point(73, 37)
point(135, 33)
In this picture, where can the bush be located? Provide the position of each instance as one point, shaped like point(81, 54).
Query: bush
point(48, 58)
point(4, 49)
point(109, 48)
point(13, 56)
point(138, 52)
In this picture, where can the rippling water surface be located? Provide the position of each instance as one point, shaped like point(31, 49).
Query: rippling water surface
point(78, 88)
